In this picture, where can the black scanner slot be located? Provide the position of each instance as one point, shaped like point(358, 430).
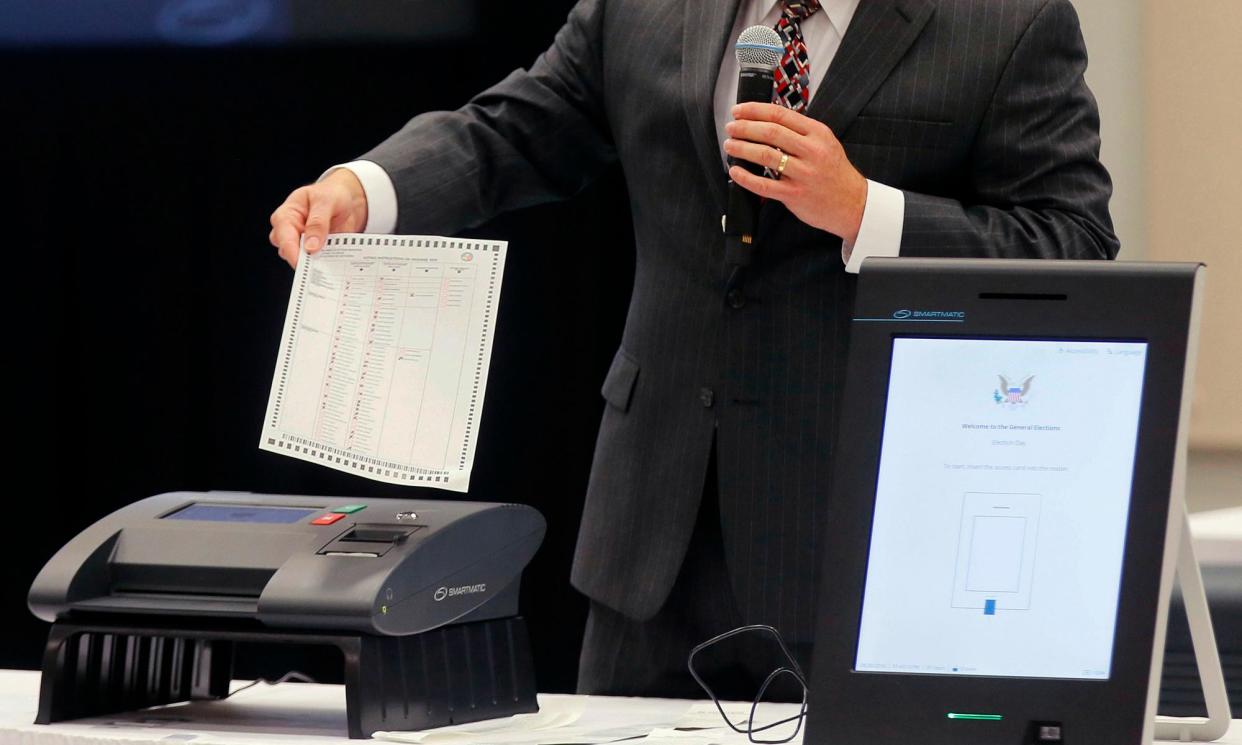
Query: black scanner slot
point(369, 540)
point(377, 534)
point(182, 580)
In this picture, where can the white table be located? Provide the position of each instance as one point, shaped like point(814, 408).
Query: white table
point(315, 714)
point(310, 714)
point(280, 715)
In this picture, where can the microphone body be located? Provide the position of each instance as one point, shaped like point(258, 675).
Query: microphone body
point(742, 218)
point(758, 51)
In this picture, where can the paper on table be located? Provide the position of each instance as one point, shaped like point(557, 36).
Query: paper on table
point(383, 362)
point(669, 736)
point(509, 729)
point(702, 724)
point(561, 720)
point(707, 716)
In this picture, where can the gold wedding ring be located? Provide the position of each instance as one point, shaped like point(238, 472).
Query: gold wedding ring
point(780, 169)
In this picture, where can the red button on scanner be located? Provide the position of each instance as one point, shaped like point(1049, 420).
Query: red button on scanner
point(327, 519)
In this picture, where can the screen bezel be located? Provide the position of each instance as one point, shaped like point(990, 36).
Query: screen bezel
point(1001, 299)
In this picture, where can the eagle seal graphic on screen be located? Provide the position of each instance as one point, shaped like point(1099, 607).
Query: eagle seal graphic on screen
point(1013, 394)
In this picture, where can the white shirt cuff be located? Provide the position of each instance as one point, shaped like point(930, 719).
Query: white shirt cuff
point(380, 193)
point(884, 218)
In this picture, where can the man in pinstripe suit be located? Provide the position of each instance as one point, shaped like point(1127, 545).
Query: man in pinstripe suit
point(934, 128)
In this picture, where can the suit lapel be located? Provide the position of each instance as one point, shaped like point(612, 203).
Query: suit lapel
point(878, 37)
point(876, 40)
point(706, 33)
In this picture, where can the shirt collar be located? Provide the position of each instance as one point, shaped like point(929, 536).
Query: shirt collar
point(840, 12)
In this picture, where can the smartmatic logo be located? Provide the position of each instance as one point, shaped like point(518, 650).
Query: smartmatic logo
point(929, 315)
point(452, 592)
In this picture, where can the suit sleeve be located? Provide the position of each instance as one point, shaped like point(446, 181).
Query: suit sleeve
point(538, 135)
point(1039, 189)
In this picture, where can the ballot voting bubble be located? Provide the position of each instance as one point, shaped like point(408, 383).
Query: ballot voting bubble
point(1000, 515)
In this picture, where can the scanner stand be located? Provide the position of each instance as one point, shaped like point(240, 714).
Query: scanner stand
point(1207, 658)
point(450, 675)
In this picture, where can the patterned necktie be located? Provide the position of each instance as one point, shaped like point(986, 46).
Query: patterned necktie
point(793, 74)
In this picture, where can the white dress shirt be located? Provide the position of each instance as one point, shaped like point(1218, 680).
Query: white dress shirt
point(884, 213)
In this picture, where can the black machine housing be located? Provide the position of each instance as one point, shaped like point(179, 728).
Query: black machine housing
point(420, 596)
point(1004, 299)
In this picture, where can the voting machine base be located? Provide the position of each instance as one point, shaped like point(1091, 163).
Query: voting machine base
point(450, 675)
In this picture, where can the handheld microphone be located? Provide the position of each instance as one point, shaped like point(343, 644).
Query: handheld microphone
point(758, 51)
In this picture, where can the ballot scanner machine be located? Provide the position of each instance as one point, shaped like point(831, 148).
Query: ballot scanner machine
point(148, 604)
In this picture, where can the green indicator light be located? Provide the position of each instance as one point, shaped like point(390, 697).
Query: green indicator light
point(976, 717)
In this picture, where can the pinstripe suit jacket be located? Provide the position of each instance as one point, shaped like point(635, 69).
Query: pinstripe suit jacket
point(977, 109)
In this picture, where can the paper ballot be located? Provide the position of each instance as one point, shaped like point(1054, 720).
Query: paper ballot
point(383, 361)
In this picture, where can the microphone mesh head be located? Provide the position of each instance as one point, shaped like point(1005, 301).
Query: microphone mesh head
point(759, 46)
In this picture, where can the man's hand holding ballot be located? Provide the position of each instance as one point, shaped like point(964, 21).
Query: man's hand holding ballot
point(336, 203)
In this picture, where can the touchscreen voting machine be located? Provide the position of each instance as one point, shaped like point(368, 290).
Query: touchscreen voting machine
point(1007, 512)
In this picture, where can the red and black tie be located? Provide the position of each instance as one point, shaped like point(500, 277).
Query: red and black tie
point(793, 74)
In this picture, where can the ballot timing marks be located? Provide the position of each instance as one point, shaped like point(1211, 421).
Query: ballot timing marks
point(758, 51)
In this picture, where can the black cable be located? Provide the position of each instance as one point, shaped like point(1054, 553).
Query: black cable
point(291, 675)
point(793, 669)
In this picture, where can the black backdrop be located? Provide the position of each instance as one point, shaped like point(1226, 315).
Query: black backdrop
point(145, 306)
